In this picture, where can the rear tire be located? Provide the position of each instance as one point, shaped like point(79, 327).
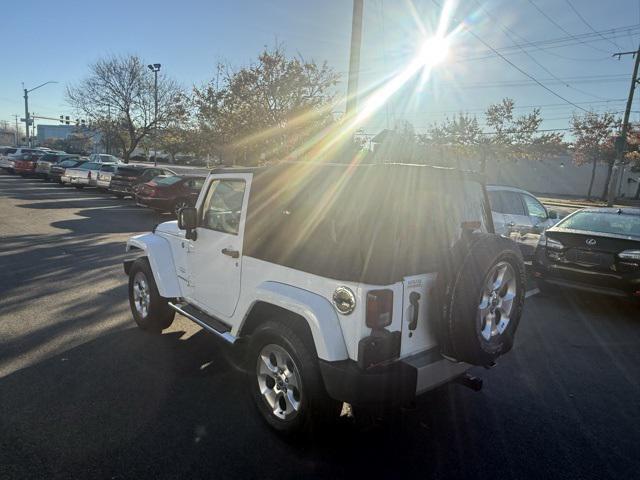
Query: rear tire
point(79, 187)
point(119, 195)
point(150, 311)
point(285, 381)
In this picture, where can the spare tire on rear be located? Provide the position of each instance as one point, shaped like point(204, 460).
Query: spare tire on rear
point(483, 296)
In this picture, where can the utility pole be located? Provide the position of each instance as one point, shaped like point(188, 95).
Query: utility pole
point(354, 58)
point(17, 131)
point(108, 128)
point(155, 68)
point(27, 120)
point(621, 142)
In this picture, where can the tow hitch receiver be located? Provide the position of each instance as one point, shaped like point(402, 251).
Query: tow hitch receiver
point(474, 383)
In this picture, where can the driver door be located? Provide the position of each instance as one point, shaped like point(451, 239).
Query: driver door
point(214, 258)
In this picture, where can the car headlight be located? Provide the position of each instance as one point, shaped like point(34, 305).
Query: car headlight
point(630, 255)
point(551, 244)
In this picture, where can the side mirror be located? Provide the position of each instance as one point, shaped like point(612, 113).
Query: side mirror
point(188, 218)
point(553, 215)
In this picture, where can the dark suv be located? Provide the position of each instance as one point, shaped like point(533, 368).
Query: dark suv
point(125, 180)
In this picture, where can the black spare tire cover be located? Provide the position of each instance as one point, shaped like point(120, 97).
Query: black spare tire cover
point(474, 326)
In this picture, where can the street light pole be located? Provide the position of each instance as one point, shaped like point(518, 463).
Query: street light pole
point(155, 68)
point(27, 119)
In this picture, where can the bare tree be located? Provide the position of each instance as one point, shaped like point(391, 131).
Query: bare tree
point(118, 97)
point(593, 140)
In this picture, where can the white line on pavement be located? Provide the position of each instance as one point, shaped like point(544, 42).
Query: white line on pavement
point(531, 293)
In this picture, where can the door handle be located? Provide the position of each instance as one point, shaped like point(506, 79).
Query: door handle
point(511, 224)
point(231, 253)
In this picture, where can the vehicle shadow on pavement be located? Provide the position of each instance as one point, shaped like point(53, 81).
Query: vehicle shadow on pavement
point(111, 220)
point(130, 404)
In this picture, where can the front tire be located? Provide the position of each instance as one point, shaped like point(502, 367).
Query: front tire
point(150, 311)
point(285, 381)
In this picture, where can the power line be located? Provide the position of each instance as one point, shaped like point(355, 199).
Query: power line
point(544, 14)
point(526, 74)
point(589, 25)
point(511, 34)
point(561, 42)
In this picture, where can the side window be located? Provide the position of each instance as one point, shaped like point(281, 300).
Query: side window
point(223, 206)
point(495, 199)
point(512, 203)
point(534, 207)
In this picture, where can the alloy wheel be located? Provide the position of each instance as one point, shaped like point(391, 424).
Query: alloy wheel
point(141, 294)
point(279, 381)
point(497, 301)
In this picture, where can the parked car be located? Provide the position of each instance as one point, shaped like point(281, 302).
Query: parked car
point(105, 174)
point(519, 215)
point(9, 155)
point(104, 158)
point(593, 249)
point(44, 163)
point(58, 170)
point(338, 295)
point(25, 164)
point(170, 194)
point(85, 175)
point(128, 176)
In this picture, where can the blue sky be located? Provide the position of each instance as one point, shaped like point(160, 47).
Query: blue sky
point(56, 40)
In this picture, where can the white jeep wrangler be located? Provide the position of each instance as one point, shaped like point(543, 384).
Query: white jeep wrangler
point(365, 284)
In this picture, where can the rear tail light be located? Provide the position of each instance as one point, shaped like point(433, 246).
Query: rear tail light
point(379, 308)
point(630, 255)
point(89, 175)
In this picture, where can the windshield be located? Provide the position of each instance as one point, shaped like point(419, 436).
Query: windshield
point(624, 224)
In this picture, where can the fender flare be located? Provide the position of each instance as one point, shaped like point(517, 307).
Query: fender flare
point(158, 252)
point(315, 309)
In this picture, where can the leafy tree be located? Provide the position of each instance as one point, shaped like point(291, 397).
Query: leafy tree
point(176, 139)
point(266, 110)
point(118, 97)
point(593, 140)
point(520, 136)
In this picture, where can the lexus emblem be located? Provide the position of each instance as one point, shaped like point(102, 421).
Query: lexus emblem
point(591, 242)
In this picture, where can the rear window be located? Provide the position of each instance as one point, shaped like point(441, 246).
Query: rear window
point(8, 151)
point(167, 180)
point(624, 224)
point(130, 171)
point(90, 166)
point(375, 225)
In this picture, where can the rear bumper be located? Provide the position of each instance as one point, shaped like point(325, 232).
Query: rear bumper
point(397, 383)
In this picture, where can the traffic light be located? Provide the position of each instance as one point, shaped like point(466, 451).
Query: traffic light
point(66, 120)
point(61, 118)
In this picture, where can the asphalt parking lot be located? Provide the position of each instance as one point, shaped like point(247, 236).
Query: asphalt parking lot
point(85, 394)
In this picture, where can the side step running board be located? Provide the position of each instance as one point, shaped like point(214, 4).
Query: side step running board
point(209, 323)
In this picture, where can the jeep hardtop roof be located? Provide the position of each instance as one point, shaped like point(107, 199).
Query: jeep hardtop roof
point(374, 223)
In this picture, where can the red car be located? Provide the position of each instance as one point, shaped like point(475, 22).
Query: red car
point(170, 194)
point(26, 164)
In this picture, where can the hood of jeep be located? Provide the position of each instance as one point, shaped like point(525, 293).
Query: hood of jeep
point(170, 228)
